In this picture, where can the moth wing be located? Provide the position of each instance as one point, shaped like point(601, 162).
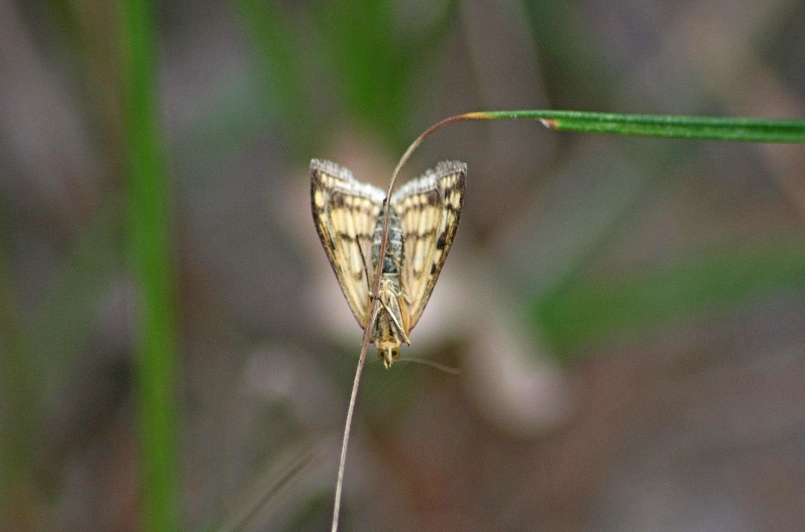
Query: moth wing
point(345, 212)
point(429, 208)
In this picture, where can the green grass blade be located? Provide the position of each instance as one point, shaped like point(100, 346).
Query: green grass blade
point(681, 127)
point(685, 127)
point(151, 254)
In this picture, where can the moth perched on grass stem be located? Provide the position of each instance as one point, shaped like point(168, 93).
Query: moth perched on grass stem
point(422, 224)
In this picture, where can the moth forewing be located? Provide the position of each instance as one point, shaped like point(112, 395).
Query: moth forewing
point(406, 316)
point(429, 208)
point(345, 212)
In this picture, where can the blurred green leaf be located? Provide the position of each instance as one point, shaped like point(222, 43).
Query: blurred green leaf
point(359, 63)
point(19, 412)
point(278, 39)
point(574, 68)
point(586, 309)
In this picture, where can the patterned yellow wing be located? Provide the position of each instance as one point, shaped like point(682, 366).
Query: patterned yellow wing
point(345, 212)
point(429, 208)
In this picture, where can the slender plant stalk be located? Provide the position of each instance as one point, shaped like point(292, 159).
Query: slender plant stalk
point(686, 127)
point(152, 260)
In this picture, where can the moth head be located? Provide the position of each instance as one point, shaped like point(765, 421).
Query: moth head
point(388, 355)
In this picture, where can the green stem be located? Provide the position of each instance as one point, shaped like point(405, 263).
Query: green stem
point(152, 257)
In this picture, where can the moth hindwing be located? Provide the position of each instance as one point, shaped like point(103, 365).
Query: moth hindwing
point(423, 220)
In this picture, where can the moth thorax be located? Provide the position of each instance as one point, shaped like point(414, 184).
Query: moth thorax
point(394, 245)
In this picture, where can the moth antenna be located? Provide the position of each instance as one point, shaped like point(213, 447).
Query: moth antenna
point(437, 365)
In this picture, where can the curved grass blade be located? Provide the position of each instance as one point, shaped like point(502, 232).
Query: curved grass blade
point(666, 126)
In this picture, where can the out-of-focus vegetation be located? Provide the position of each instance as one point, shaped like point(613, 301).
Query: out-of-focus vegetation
point(661, 278)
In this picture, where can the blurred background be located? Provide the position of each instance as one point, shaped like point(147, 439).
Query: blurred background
point(627, 315)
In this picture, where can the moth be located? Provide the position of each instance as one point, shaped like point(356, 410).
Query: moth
point(423, 220)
